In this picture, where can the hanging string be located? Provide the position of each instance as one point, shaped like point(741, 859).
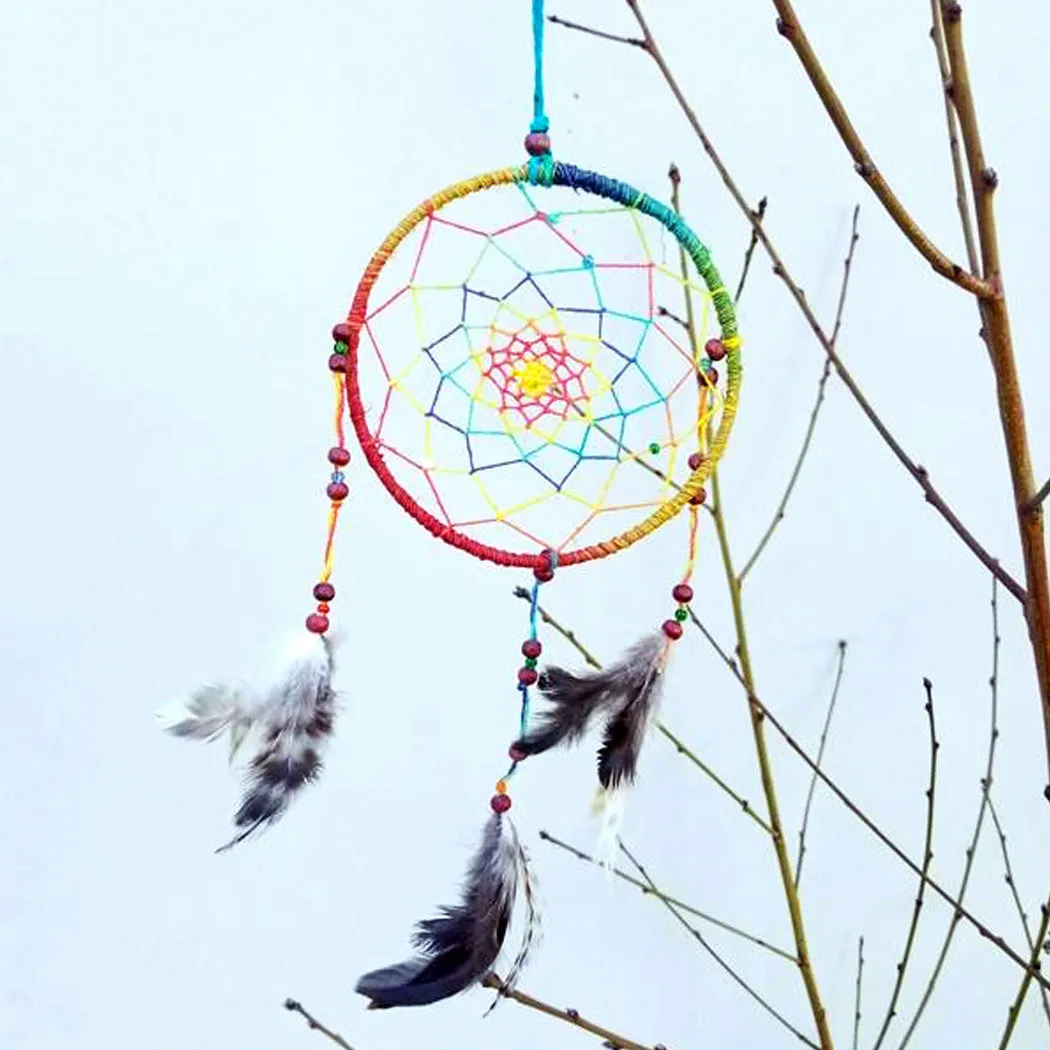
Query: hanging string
point(537, 142)
point(540, 122)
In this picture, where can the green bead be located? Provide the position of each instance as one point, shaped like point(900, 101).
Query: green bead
point(654, 447)
point(705, 364)
point(531, 662)
point(681, 615)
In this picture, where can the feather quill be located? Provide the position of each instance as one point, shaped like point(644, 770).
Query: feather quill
point(290, 724)
point(459, 948)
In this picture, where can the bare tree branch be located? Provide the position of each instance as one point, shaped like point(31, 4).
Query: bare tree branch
point(702, 941)
point(1012, 883)
point(1038, 499)
point(778, 516)
point(971, 851)
point(1026, 981)
point(917, 472)
point(297, 1008)
point(790, 28)
point(651, 890)
point(611, 1039)
point(952, 120)
point(927, 858)
point(820, 758)
point(856, 998)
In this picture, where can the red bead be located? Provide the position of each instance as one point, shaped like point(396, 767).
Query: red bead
point(712, 375)
point(537, 143)
point(337, 362)
point(527, 675)
point(699, 498)
point(543, 575)
point(682, 593)
point(673, 629)
point(317, 623)
point(338, 456)
point(531, 648)
point(324, 592)
point(695, 460)
point(517, 754)
point(341, 332)
point(337, 491)
point(714, 349)
point(323, 607)
point(500, 803)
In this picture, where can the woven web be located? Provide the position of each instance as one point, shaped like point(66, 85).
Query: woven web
point(518, 363)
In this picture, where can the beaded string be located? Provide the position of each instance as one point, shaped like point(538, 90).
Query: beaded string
point(538, 142)
point(337, 489)
point(527, 673)
point(682, 592)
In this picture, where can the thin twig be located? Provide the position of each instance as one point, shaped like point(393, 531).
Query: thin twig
point(699, 763)
point(918, 473)
point(702, 941)
point(632, 41)
point(298, 1008)
point(728, 660)
point(1026, 981)
point(612, 1040)
point(1037, 499)
point(790, 28)
point(682, 749)
point(1012, 883)
point(927, 858)
point(971, 851)
point(756, 216)
point(856, 999)
point(778, 516)
point(820, 758)
point(651, 890)
point(952, 120)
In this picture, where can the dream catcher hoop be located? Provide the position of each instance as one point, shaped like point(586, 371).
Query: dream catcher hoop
point(507, 363)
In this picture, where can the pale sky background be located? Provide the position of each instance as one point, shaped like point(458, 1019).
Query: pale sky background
point(188, 193)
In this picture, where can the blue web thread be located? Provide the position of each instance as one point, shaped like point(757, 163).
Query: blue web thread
point(541, 169)
point(534, 608)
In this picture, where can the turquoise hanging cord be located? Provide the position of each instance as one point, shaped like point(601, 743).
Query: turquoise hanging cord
point(534, 609)
point(541, 164)
point(539, 117)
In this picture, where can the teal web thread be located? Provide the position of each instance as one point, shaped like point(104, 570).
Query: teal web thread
point(541, 169)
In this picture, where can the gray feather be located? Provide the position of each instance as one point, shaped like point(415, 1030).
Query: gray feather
point(624, 694)
point(626, 729)
point(290, 725)
point(459, 947)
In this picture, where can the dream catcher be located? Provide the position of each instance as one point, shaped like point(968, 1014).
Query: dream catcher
point(514, 379)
